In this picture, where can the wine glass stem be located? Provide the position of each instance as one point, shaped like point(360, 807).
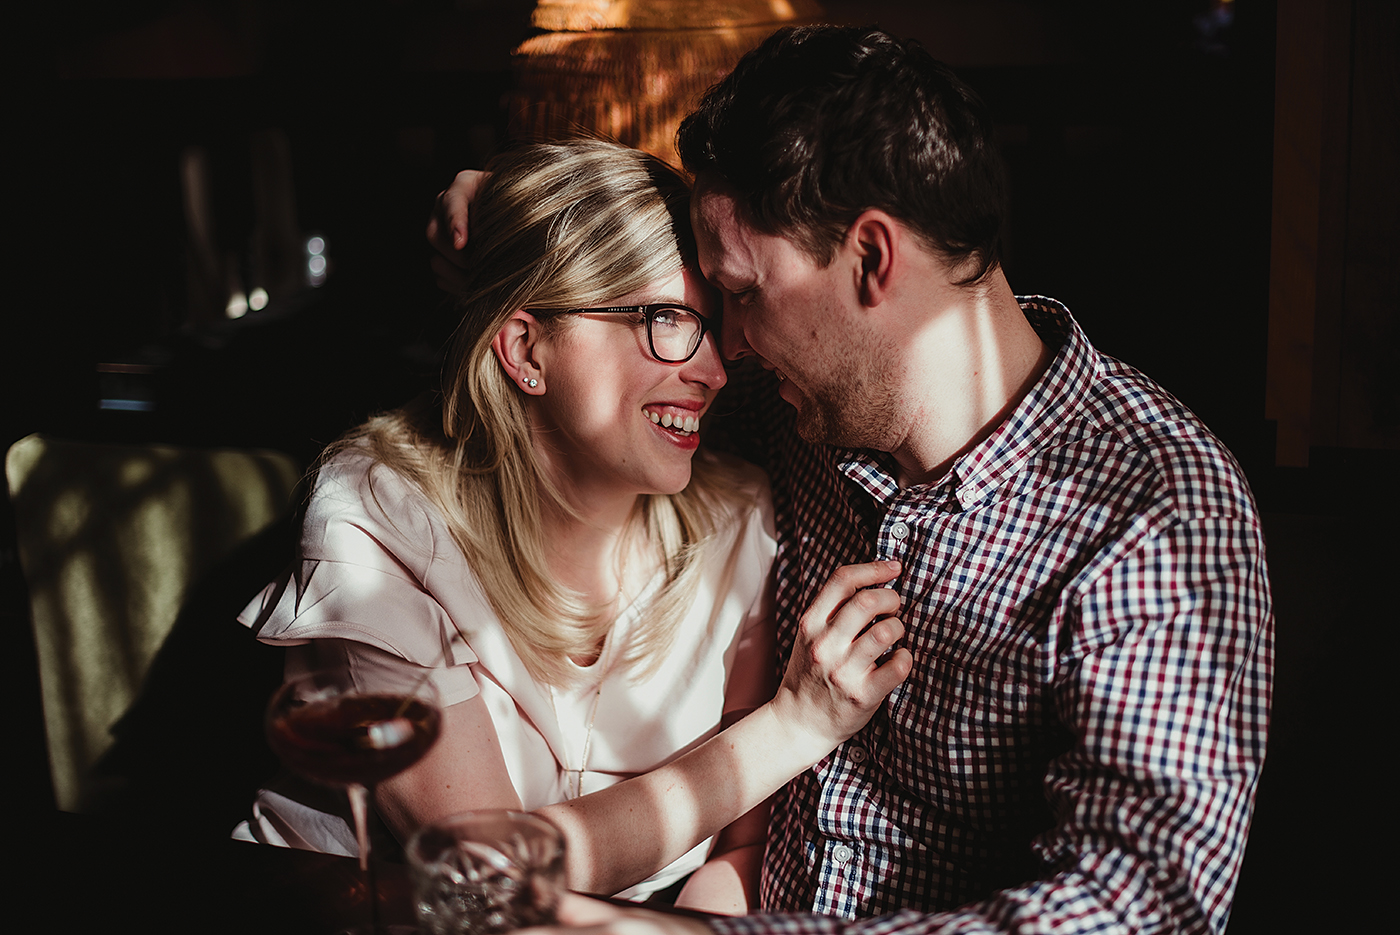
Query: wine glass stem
point(359, 810)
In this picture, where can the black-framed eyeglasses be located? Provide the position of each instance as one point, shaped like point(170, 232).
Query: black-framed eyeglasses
point(674, 332)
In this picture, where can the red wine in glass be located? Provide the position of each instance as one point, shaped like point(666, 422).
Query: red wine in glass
point(351, 739)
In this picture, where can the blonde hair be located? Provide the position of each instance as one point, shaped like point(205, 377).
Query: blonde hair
point(556, 225)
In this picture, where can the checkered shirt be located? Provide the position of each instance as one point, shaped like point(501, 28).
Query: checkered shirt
point(1086, 600)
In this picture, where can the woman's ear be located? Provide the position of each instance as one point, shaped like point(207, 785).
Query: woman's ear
point(515, 346)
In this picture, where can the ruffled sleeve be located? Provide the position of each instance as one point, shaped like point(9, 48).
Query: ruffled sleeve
point(372, 552)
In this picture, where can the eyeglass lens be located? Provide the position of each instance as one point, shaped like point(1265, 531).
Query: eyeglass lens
point(675, 333)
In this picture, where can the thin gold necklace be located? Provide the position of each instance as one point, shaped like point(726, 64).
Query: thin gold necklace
point(587, 745)
point(604, 666)
point(575, 789)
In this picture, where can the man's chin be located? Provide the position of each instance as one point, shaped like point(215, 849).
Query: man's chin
point(817, 427)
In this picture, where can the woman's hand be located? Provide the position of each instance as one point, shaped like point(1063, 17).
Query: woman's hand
point(620, 835)
point(447, 227)
point(836, 678)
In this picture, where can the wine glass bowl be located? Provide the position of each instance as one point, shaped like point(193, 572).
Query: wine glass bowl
point(328, 732)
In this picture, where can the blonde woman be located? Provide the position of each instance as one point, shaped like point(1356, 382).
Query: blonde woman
point(590, 595)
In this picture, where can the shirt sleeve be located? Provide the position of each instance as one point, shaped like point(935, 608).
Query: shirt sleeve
point(371, 669)
point(362, 589)
point(1165, 686)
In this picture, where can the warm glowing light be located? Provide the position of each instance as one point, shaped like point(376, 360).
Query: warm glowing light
point(237, 305)
point(257, 299)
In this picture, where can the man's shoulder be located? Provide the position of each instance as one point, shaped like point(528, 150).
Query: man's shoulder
point(1152, 434)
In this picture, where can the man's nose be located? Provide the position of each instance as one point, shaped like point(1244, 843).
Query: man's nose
point(732, 340)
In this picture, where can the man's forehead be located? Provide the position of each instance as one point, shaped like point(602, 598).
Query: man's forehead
point(725, 234)
point(719, 229)
point(715, 203)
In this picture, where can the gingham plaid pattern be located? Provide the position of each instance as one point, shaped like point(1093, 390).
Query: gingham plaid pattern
point(1086, 601)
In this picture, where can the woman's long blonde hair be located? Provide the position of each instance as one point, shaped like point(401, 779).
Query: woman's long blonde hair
point(555, 226)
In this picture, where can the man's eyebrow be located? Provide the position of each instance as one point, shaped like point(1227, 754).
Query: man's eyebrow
point(715, 277)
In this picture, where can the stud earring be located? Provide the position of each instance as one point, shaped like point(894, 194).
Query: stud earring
point(531, 382)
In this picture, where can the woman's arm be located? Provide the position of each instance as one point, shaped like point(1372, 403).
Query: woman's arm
point(462, 771)
point(727, 883)
point(621, 835)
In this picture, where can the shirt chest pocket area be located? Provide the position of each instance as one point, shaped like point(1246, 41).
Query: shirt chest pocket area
point(961, 737)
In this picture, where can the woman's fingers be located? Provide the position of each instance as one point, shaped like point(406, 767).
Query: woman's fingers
point(854, 616)
point(579, 915)
point(574, 909)
point(844, 584)
point(836, 677)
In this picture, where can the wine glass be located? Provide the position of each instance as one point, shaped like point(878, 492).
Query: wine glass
point(331, 732)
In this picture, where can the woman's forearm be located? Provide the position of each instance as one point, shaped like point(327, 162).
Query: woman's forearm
point(623, 834)
point(833, 683)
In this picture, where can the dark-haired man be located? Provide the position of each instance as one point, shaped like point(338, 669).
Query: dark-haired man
point(1084, 590)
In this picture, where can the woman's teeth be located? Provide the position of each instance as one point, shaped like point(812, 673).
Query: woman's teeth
point(683, 425)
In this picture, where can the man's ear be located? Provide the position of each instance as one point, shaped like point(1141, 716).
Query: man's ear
point(515, 346)
point(875, 238)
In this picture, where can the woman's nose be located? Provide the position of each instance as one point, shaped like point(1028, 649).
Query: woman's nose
point(707, 366)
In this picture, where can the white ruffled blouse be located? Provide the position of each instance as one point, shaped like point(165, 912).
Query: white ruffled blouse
point(381, 583)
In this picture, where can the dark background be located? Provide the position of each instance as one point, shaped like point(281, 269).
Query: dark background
point(1140, 142)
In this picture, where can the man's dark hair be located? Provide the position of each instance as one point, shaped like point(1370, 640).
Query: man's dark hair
point(820, 123)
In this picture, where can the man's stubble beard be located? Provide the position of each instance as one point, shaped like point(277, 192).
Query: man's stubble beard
point(858, 412)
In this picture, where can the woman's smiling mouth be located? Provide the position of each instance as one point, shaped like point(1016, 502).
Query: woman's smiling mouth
point(680, 423)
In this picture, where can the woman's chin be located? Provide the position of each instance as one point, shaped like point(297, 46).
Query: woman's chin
point(674, 483)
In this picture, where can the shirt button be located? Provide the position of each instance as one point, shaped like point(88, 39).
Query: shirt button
point(842, 854)
point(899, 530)
point(857, 754)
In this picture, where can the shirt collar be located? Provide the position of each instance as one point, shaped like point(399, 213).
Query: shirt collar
point(1051, 402)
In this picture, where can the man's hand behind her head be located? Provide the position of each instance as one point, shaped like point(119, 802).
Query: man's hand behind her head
point(447, 228)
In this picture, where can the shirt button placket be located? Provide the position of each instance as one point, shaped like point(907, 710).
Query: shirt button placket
point(899, 533)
